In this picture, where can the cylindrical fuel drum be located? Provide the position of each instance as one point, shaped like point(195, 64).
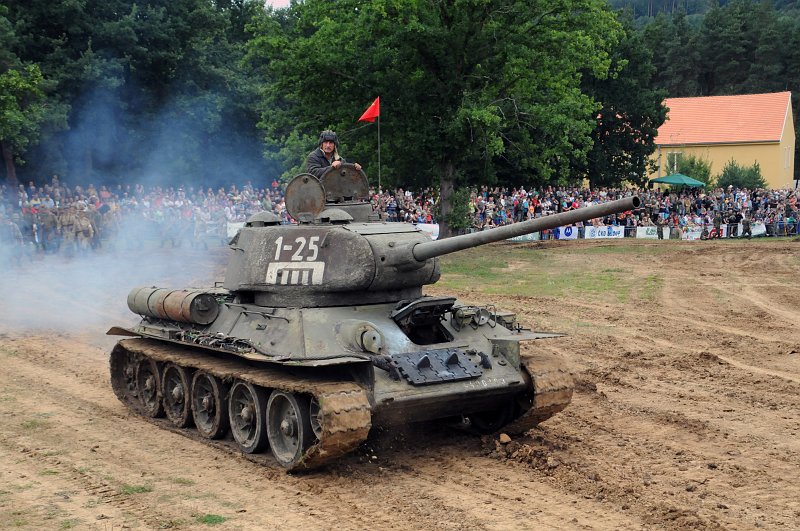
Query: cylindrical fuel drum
point(184, 305)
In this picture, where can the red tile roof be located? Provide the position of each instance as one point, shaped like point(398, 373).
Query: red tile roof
point(725, 119)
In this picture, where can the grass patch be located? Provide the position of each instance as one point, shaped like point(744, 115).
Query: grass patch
point(588, 271)
point(209, 519)
point(34, 424)
point(721, 297)
point(49, 472)
point(652, 286)
point(172, 523)
point(135, 489)
point(182, 481)
point(52, 453)
point(69, 524)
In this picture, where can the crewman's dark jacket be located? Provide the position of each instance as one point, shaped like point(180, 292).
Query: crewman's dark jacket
point(316, 163)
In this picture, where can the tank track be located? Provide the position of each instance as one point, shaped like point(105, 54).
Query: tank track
point(553, 386)
point(346, 416)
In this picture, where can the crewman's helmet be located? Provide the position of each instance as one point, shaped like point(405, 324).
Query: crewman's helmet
point(328, 136)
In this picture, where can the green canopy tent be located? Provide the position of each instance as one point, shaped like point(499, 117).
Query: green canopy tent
point(679, 179)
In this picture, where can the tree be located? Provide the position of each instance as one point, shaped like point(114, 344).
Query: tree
point(150, 87)
point(22, 112)
point(696, 168)
point(470, 89)
point(628, 121)
point(673, 43)
point(741, 176)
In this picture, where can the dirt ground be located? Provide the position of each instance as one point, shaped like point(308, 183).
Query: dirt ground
point(686, 416)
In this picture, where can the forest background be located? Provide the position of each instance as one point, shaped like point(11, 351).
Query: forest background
point(472, 91)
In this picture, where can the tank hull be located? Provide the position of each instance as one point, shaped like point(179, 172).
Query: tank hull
point(466, 372)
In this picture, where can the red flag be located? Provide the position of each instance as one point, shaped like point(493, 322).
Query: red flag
point(372, 112)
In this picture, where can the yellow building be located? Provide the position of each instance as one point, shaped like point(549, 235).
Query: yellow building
point(748, 128)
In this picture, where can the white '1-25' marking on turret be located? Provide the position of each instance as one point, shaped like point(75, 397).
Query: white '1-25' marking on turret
point(302, 269)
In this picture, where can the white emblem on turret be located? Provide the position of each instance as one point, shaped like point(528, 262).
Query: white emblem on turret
point(295, 273)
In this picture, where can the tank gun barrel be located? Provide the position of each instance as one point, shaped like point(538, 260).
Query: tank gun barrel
point(426, 250)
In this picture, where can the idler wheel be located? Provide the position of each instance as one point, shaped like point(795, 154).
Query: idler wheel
point(289, 427)
point(123, 374)
point(247, 413)
point(175, 391)
point(148, 384)
point(209, 405)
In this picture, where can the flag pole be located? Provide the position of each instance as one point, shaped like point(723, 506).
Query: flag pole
point(379, 153)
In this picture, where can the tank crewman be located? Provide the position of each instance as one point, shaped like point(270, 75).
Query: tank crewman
point(326, 155)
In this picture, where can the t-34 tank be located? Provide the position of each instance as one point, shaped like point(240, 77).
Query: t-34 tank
point(321, 331)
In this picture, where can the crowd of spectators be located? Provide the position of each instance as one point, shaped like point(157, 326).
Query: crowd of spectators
point(53, 217)
point(677, 209)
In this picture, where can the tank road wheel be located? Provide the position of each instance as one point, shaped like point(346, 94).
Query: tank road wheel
point(209, 406)
point(289, 427)
point(175, 390)
point(149, 387)
point(247, 412)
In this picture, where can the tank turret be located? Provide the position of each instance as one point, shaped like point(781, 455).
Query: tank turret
point(321, 331)
point(325, 263)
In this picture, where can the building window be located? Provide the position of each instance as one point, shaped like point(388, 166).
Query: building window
point(673, 159)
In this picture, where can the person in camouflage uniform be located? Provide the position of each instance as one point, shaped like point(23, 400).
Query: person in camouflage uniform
point(200, 228)
point(94, 218)
point(110, 225)
point(11, 241)
point(221, 226)
point(66, 220)
point(746, 228)
point(83, 231)
point(48, 227)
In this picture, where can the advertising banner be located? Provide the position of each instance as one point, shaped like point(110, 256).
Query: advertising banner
point(532, 237)
point(566, 233)
point(650, 233)
point(593, 233)
point(692, 233)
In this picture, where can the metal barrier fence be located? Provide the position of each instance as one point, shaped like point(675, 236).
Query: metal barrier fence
point(729, 230)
